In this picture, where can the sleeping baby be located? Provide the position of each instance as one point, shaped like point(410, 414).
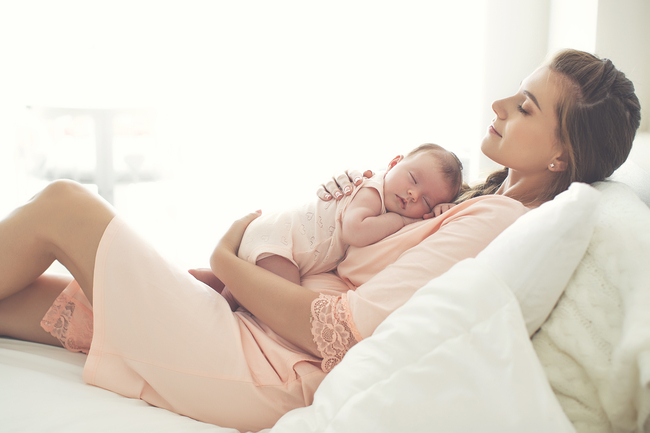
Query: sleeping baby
point(313, 238)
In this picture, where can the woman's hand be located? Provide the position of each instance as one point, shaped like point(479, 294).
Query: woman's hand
point(231, 240)
point(282, 305)
point(225, 251)
point(228, 246)
point(342, 185)
point(206, 276)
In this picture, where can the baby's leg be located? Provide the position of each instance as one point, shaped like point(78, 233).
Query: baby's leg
point(282, 267)
point(276, 264)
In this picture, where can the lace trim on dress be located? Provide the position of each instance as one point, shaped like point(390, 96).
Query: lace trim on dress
point(332, 328)
point(70, 321)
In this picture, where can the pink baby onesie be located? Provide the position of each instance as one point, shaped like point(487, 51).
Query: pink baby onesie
point(307, 235)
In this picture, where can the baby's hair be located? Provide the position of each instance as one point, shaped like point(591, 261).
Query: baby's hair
point(450, 164)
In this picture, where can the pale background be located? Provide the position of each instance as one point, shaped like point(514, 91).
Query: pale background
point(255, 103)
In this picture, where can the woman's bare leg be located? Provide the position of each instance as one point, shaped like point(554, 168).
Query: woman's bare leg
point(22, 312)
point(64, 222)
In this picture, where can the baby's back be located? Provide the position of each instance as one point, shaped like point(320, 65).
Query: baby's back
point(308, 235)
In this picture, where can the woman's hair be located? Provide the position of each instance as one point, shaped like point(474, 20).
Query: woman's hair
point(450, 165)
point(598, 116)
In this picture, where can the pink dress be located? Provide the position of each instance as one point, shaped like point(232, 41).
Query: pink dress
point(166, 338)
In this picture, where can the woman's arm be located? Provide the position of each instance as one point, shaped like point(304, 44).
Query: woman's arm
point(284, 306)
point(363, 224)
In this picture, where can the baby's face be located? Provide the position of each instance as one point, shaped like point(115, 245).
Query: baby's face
point(415, 185)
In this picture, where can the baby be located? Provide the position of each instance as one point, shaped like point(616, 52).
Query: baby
point(314, 238)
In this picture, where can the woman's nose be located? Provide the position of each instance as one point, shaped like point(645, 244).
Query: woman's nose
point(499, 109)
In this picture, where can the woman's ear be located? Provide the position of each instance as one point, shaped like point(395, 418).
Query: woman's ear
point(394, 161)
point(559, 162)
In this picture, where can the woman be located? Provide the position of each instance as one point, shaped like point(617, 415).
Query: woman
point(165, 337)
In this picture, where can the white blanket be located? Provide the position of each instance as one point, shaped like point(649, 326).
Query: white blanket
point(455, 358)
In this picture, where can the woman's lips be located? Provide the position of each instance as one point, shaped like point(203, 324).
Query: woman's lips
point(493, 131)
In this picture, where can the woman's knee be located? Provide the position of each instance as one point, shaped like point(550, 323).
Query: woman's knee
point(65, 204)
point(61, 191)
point(64, 196)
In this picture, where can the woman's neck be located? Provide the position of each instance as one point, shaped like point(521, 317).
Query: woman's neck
point(526, 189)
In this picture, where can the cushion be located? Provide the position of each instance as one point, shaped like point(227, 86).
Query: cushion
point(595, 346)
point(538, 253)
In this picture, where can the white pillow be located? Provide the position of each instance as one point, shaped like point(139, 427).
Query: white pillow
point(538, 253)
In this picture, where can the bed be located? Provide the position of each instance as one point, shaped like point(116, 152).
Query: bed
point(545, 330)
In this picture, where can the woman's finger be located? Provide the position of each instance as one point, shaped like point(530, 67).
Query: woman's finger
point(323, 194)
point(356, 177)
point(206, 276)
point(333, 188)
point(344, 183)
point(247, 219)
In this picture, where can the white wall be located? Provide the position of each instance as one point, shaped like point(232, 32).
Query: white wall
point(623, 35)
point(516, 42)
point(573, 25)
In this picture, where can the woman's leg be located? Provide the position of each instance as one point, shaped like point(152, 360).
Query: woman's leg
point(22, 312)
point(64, 222)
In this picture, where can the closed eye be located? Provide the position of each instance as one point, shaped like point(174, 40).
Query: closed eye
point(521, 110)
point(413, 177)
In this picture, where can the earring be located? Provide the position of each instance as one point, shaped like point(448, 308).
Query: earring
point(552, 165)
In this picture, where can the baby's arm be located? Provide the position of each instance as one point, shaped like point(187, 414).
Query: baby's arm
point(363, 223)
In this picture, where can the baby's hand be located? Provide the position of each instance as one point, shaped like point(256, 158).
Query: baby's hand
point(439, 209)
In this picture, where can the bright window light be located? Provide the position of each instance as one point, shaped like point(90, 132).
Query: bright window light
point(256, 102)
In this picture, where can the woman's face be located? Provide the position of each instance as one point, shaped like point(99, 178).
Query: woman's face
point(522, 137)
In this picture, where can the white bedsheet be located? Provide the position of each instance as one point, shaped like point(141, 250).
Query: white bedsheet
point(41, 390)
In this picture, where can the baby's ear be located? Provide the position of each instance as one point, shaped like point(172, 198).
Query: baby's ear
point(394, 161)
